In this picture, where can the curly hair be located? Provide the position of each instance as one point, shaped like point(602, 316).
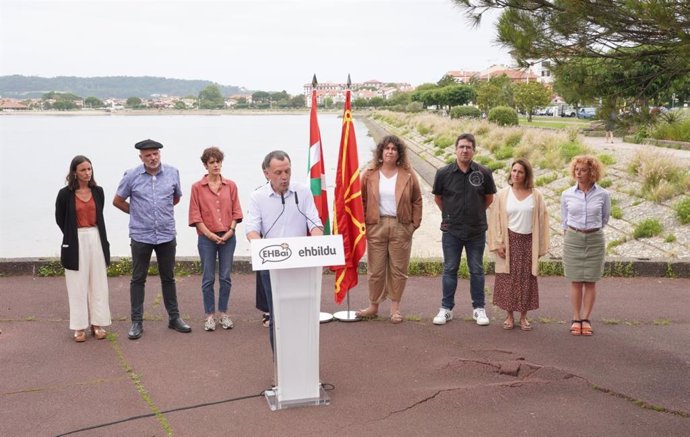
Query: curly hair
point(377, 160)
point(212, 152)
point(595, 166)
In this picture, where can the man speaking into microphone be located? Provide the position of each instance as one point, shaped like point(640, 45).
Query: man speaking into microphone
point(280, 209)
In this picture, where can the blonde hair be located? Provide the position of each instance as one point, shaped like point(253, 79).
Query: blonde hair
point(596, 168)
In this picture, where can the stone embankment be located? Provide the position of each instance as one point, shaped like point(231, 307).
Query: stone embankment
point(627, 256)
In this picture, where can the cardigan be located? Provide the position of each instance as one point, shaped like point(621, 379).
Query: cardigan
point(408, 197)
point(66, 219)
point(498, 230)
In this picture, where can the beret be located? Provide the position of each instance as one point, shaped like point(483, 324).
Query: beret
point(148, 144)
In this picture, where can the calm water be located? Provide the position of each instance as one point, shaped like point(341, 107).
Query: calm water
point(35, 152)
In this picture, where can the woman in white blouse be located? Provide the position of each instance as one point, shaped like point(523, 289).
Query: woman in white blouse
point(518, 226)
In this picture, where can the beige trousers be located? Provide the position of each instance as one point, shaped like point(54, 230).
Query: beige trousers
point(87, 288)
point(388, 255)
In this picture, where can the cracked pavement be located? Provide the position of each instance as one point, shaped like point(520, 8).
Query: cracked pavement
point(631, 378)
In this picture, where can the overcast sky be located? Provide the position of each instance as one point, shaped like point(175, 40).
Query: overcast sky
point(260, 45)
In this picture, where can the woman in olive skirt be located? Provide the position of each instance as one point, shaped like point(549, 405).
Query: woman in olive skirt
point(585, 210)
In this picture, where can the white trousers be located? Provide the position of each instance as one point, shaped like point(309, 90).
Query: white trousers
point(87, 288)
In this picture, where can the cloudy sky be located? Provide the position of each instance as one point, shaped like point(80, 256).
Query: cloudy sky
point(257, 44)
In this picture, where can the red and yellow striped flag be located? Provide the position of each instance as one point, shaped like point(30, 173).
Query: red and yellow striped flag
point(348, 210)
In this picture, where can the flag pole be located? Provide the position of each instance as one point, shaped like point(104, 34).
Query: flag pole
point(348, 316)
point(315, 141)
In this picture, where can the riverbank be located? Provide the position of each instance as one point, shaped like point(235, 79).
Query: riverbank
point(154, 112)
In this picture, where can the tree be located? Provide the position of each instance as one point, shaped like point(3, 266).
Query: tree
point(297, 101)
point(283, 95)
point(180, 105)
point(531, 95)
point(360, 102)
point(260, 97)
point(64, 105)
point(211, 98)
point(496, 91)
point(377, 102)
point(399, 98)
point(458, 95)
point(133, 102)
point(624, 31)
point(446, 80)
point(93, 102)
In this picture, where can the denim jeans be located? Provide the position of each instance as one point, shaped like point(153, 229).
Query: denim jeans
point(452, 250)
point(141, 259)
point(209, 251)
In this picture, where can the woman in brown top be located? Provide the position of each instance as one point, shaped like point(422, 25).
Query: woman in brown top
point(85, 252)
point(393, 211)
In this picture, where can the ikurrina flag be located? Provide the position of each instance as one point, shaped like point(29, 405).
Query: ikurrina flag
point(348, 210)
point(317, 172)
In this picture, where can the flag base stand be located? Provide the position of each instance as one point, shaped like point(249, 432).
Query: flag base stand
point(325, 317)
point(346, 316)
point(274, 404)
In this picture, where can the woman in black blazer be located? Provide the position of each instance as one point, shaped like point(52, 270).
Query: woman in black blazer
point(85, 253)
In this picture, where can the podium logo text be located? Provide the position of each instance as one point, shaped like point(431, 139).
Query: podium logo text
point(275, 253)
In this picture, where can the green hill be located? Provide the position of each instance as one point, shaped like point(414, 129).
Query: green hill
point(24, 87)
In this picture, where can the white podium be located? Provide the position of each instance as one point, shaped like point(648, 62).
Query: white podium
point(296, 266)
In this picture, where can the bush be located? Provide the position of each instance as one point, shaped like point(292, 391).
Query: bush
point(673, 127)
point(605, 183)
point(465, 111)
point(647, 228)
point(546, 179)
point(682, 209)
point(443, 141)
point(503, 116)
point(570, 150)
point(504, 152)
point(606, 159)
point(414, 107)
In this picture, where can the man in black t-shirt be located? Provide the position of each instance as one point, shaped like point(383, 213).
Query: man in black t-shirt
point(463, 190)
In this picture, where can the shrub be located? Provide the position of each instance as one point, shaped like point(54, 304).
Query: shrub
point(647, 228)
point(670, 238)
point(503, 116)
point(605, 183)
point(443, 141)
point(414, 107)
point(495, 165)
point(570, 150)
point(606, 159)
point(661, 177)
point(546, 179)
point(682, 209)
point(504, 152)
point(672, 127)
point(465, 111)
point(616, 212)
point(482, 159)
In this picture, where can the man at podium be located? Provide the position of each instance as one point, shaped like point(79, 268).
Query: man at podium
point(280, 209)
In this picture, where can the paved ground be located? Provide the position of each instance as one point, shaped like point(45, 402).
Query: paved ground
point(631, 378)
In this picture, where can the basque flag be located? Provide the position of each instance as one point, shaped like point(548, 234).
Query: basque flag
point(317, 171)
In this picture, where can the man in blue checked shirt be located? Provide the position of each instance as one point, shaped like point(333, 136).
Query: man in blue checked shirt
point(153, 190)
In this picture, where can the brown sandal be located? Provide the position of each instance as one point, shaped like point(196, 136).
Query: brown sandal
point(80, 336)
point(396, 318)
point(98, 332)
point(508, 324)
point(586, 330)
point(576, 327)
point(525, 325)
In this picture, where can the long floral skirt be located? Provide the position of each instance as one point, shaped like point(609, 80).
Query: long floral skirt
point(518, 290)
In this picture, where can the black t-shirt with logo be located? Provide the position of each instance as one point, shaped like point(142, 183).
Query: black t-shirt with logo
point(463, 194)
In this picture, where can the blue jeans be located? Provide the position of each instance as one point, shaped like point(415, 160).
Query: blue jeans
point(224, 253)
point(452, 250)
point(141, 258)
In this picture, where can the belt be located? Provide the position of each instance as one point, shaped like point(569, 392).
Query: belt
point(584, 231)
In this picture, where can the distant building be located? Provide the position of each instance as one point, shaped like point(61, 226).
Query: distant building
point(365, 90)
point(12, 105)
point(463, 76)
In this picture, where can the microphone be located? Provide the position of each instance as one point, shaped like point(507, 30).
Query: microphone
point(282, 200)
point(303, 214)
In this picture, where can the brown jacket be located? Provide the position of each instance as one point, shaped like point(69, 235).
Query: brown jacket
point(498, 231)
point(408, 197)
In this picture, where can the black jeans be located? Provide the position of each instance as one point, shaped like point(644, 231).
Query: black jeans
point(264, 276)
point(141, 259)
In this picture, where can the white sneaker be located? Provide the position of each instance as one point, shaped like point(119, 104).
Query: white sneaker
point(226, 322)
point(210, 324)
point(480, 316)
point(443, 316)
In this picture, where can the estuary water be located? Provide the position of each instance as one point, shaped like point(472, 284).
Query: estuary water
point(35, 152)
